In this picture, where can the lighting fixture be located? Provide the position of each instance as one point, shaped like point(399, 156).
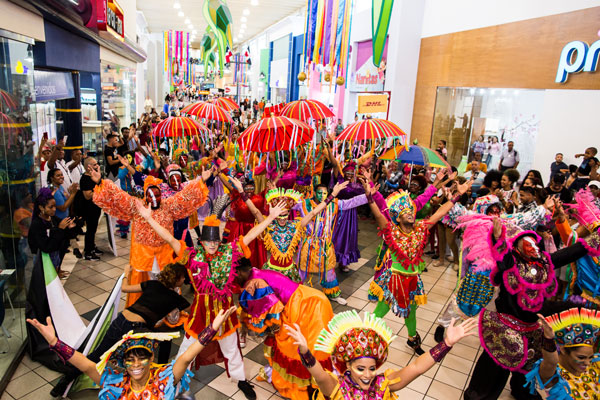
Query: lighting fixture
point(176, 5)
point(246, 11)
point(190, 27)
point(187, 21)
point(244, 19)
point(254, 2)
point(243, 26)
point(194, 32)
point(180, 14)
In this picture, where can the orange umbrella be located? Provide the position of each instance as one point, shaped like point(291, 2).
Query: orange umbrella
point(304, 110)
point(178, 127)
point(226, 104)
point(207, 111)
point(274, 134)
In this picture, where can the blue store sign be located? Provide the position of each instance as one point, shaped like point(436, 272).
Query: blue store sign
point(50, 85)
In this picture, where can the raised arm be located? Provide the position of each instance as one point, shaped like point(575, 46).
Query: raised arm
point(114, 201)
point(188, 199)
point(240, 189)
point(146, 213)
point(315, 211)
point(447, 206)
point(274, 212)
point(370, 191)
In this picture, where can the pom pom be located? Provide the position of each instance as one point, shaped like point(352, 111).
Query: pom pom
point(211, 220)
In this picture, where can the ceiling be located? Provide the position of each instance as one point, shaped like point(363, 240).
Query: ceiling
point(161, 15)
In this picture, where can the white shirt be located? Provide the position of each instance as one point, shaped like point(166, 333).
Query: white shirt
point(62, 166)
point(77, 172)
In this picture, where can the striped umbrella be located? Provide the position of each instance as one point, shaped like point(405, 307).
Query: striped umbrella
point(207, 111)
point(417, 155)
point(305, 110)
point(275, 134)
point(178, 127)
point(368, 129)
point(226, 103)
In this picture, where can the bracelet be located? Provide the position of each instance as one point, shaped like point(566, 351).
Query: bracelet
point(329, 199)
point(206, 335)
point(244, 196)
point(548, 345)
point(308, 360)
point(456, 199)
point(439, 351)
point(369, 198)
point(63, 350)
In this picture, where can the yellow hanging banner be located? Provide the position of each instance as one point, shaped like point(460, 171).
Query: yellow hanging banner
point(372, 103)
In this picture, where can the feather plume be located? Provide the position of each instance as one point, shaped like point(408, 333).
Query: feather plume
point(586, 211)
point(477, 229)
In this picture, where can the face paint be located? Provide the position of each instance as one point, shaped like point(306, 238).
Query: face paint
point(153, 197)
point(320, 195)
point(248, 189)
point(530, 249)
point(183, 160)
point(130, 159)
point(175, 181)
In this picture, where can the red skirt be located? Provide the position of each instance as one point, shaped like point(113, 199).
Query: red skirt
point(235, 229)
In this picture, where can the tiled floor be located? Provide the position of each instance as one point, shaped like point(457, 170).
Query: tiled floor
point(89, 285)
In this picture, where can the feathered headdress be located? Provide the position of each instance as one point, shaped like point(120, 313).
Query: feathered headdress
point(178, 153)
point(144, 340)
point(173, 168)
point(400, 203)
point(482, 203)
point(348, 337)
point(289, 196)
point(586, 211)
point(575, 327)
point(151, 181)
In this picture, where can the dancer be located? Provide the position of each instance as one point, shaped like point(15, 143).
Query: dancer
point(358, 347)
point(148, 251)
point(569, 368)
point(127, 371)
point(211, 267)
point(406, 239)
point(272, 300)
point(526, 277)
point(283, 236)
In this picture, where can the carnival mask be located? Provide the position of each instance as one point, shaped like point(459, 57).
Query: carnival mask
point(153, 197)
point(530, 248)
point(183, 160)
point(321, 194)
point(249, 188)
point(175, 181)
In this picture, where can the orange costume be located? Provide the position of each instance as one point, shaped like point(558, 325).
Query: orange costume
point(146, 245)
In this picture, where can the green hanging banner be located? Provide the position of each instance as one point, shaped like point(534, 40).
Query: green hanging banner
point(381, 15)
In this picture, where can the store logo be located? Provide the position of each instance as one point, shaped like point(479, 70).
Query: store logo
point(111, 17)
point(577, 56)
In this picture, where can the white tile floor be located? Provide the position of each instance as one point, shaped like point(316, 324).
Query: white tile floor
point(89, 284)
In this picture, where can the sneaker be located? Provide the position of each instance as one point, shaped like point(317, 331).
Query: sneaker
point(340, 300)
point(60, 388)
point(77, 253)
point(439, 263)
point(415, 344)
point(435, 257)
point(450, 258)
point(97, 251)
point(247, 389)
point(344, 268)
point(439, 334)
point(124, 235)
point(91, 257)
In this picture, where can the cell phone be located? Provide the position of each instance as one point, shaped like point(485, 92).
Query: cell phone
point(65, 138)
point(45, 135)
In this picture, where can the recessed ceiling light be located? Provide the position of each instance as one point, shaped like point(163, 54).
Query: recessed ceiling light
point(243, 26)
point(190, 27)
point(244, 19)
point(187, 21)
point(254, 2)
point(194, 32)
point(176, 5)
point(246, 11)
point(180, 14)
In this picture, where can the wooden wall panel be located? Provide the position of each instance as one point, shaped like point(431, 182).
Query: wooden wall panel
point(522, 54)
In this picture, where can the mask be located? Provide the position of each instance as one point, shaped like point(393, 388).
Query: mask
point(530, 248)
point(183, 160)
point(175, 181)
point(320, 195)
point(249, 189)
point(130, 159)
point(153, 197)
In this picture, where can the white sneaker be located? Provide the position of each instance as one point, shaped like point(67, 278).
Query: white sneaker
point(340, 300)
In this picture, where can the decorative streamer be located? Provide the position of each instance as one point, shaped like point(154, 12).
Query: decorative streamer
point(381, 14)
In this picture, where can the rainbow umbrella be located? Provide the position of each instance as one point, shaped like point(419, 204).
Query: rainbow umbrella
point(207, 111)
point(416, 155)
point(369, 129)
point(305, 110)
point(275, 134)
point(226, 104)
point(179, 127)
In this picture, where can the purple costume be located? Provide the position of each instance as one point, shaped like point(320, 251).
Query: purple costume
point(345, 234)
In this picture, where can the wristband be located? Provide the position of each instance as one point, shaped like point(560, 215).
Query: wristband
point(206, 335)
point(329, 199)
point(456, 199)
point(308, 360)
point(548, 345)
point(369, 198)
point(439, 351)
point(245, 197)
point(63, 350)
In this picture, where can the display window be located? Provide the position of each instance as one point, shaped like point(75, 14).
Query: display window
point(118, 96)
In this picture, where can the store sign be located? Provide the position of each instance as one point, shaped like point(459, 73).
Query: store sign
point(370, 104)
point(575, 57)
point(111, 18)
point(51, 85)
point(366, 76)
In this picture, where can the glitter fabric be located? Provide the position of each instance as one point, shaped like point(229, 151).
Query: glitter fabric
point(347, 389)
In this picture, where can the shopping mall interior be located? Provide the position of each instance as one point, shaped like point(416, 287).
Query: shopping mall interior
point(219, 107)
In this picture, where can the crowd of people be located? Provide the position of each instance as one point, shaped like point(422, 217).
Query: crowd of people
point(526, 256)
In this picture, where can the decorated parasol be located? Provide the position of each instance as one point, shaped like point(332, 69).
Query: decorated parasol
point(179, 127)
point(226, 104)
point(416, 155)
point(275, 134)
point(207, 111)
point(370, 129)
point(7, 101)
point(305, 110)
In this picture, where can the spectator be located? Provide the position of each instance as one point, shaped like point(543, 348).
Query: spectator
point(479, 146)
point(75, 166)
point(113, 147)
point(558, 166)
point(509, 157)
point(63, 198)
point(482, 166)
point(495, 151)
point(476, 175)
point(535, 176)
point(585, 168)
point(557, 187)
point(339, 127)
point(526, 199)
point(441, 149)
point(507, 194)
point(87, 210)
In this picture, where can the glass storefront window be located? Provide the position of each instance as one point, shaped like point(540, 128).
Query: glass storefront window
point(499, 115)
point(17, 190)
point(118, 96)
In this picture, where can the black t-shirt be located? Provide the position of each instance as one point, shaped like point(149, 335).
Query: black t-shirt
point(565, 194)
point(156, 302)
point(113, 151)
point(555, 168)
point(82, 204)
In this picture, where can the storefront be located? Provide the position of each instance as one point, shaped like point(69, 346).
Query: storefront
point(118, 95)
point(510, 83)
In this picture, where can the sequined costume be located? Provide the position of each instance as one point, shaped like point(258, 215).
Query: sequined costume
point(147, 248)
point(272, 301)
point(346, 388)
point(317, 254)
point(282, 242)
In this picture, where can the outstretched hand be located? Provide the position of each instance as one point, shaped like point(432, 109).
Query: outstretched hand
point(548, 331)
point(277, 210)
point(94, 174)
point(299, 339)
point(206, 173)
point(222, 317)
point(145, 212)
point(497, 228)
point(237, 184)
point(47, 330)
point(462, 189)
point(339, 187)
point(455, 333)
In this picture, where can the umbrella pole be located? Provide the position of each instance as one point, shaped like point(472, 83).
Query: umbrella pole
point(410, 175)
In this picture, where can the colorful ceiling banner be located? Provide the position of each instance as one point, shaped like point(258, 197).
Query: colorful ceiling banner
point(218, 17)
point(177, 60)
point(381, 15)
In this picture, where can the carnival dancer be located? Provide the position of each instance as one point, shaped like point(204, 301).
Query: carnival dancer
point(127, 370)
point(271, 300)
point(400, 283)
point(358, 347)
point(243, 219)
point(148, 251)
point(283, 236)
point(511, 336)
point(569, 368)
point(212, 270)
